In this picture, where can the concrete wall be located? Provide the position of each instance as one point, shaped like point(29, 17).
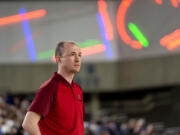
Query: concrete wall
point(134, 74)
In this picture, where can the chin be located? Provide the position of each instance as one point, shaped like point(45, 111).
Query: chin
point(75, 71)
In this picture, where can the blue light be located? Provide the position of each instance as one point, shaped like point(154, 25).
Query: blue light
point(28, 37)
point(105, 41)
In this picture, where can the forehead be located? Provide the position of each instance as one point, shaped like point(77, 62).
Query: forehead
point(69, 47)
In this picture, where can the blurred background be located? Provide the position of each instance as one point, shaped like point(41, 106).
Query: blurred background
point(131, 60)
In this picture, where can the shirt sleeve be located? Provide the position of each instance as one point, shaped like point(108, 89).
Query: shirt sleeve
point(43, 100)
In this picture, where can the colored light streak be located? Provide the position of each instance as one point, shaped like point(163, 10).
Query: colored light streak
point(89, 43)
point(88, 50)
point(19, 18)
point(28, 37)
point(172, 40)
point(125, 4)
point(45, 55)
point(138, 34)
point(93, 50)
point(158, 2)
point(168, 38)
point(174, 44)
point(22, 43)
point(121, 20)
point(173, 2)
point(106, 42)
point(102, 8)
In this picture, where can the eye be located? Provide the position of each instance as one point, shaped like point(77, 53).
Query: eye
point(72, 54)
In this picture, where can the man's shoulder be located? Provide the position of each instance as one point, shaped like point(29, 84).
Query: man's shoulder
point(48, 83)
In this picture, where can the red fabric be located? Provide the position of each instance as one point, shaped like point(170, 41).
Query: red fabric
point(61, 105)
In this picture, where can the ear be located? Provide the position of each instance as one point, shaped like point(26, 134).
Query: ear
point(58, 59)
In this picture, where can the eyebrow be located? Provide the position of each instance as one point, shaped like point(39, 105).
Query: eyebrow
point(77, 53)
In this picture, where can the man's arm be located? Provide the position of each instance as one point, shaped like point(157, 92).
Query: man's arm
point(30, 123)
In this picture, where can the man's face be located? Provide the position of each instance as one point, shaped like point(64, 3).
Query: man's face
point(71, 58)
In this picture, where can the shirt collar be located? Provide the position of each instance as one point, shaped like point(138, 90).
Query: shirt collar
point(60, 77)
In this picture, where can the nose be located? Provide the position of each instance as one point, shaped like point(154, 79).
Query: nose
point(77, 58)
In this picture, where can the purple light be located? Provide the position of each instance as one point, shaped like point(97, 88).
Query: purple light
point(28, 37)
point(105, 41)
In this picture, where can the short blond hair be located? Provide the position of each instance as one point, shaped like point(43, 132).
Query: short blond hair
point(60, 46)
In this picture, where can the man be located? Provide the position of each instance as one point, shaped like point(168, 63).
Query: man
point(57, 108)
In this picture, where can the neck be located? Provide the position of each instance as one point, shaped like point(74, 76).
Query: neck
point(67, 76)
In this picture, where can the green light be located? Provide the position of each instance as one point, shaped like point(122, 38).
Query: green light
point(50, 53)
point(138, 34)
point(89, 43)
point(44, 55)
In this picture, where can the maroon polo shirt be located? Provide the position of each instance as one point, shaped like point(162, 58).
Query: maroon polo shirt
point(61, 106)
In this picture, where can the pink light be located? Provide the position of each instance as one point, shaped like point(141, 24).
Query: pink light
point(103, 11)
point(89, 50)
point(125, 4)
point(174, 3)
point(168, 38)
point(136, 44)
point(19, 18)
point(172, 40)
point(158, 1)
point(93, 49)
point(174, 44)
point(22, 43)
